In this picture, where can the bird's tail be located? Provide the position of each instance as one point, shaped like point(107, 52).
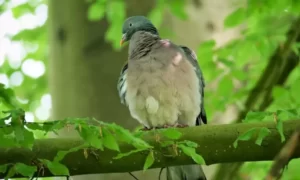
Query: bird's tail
point(186, 172)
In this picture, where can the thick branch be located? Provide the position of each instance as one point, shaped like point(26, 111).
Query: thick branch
point(215, 145)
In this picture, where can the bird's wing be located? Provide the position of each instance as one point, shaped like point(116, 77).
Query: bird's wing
point(192, 57)
point(122, 84)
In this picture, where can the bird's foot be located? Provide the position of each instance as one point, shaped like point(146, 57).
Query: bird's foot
point(166, 126)
point(146, 129)
point(181, 125)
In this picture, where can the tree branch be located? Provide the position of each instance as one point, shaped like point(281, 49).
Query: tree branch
point(220, 151)
point(284, 156)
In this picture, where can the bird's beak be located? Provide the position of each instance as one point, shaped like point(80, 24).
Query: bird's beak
point(123, 39)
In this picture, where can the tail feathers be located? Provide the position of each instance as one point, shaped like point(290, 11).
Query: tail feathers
point(186, 172)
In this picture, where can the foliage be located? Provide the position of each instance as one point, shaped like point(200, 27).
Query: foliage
point(16, 132)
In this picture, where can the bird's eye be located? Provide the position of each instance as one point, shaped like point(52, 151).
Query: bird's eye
point(130, 24)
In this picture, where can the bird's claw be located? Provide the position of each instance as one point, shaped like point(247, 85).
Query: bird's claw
point(146, 129)
point(165, 126)
point(181, 125)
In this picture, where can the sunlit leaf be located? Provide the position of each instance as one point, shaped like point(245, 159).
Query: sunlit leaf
point(226, 85)
point(171, 133)
point(156, 16)
point(22, 9)
point(116, 16)
point(235, 18)
point(96, 11)
point(191, 152)
point(149, 161)
point(279, 91)
point(256, 116)
point(110, 141)
point(92, 137)
point(178, 9)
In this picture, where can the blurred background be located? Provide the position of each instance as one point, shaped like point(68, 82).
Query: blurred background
point(62, 58)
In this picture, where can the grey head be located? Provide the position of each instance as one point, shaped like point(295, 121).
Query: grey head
point(134, 24)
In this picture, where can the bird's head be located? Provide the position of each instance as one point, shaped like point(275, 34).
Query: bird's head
point(134, 24)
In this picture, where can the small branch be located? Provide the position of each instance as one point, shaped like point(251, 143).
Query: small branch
point(284, 156)
point(278, 69)
point(280, 65)
point(220, 151)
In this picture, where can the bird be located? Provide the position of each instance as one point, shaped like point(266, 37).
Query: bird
point(162, 85)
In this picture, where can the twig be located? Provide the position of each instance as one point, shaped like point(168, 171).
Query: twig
point(284, 156)
point(272, 76)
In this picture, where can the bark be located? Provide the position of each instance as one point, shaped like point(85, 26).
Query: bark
point(215, 145)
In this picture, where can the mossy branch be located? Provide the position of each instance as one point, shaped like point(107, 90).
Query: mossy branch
point(215, 145)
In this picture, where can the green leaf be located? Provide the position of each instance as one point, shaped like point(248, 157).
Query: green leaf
point(156, 14)
point(171, 133)
point(3, 168)
point(239, 74)
point(279, 91)
point(25, 170)
point(7, 96)
point(177, 8)
point(29, 139)
point(121, 155)
point(56, 168)
point(205, 51)
point(22, 9)
point(225, 86)
point(262, 134)
point(19, 133)
point(166, 143)
point(6, 140)
point(279, 127)
point(189, 143)
point(235, 18)
point(256, 116)
point(61, 154)
point(116, 16)
point(30, 34)
point(91, 136)
point(96, 11)
point(11, 172)
point(206, 46)
point(149, 160)
point(191, 152)
point(295, 89)
point(245, 136)
point(109, 140)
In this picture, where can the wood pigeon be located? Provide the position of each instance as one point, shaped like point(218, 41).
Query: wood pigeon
point(162, 85)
